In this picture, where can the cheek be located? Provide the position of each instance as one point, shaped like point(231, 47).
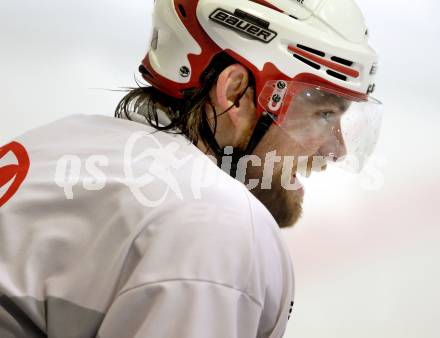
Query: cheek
point(310, 138)
point(268, 143)
point(311, 144)
point(286, 144)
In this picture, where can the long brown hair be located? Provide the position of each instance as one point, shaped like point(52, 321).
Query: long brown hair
point(187, 115)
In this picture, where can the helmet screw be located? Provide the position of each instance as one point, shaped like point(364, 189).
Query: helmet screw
point(276, 98)
point(281, 85)
point(184, 71)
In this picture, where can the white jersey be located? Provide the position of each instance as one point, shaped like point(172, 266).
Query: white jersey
point(111, 229)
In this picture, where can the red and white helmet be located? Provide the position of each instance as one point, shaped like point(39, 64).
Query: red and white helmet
point(317, 42)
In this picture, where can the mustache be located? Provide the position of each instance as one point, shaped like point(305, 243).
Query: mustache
point(307, 164)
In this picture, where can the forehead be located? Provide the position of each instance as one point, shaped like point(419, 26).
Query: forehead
point(313, 97)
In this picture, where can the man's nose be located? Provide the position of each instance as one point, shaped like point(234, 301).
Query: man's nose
point(335, 146)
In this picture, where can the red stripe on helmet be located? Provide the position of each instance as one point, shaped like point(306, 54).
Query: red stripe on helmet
point(198, 62)
point(268, 4)
point(332, 65)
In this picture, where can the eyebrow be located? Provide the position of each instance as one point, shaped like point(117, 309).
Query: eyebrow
point(329, 98)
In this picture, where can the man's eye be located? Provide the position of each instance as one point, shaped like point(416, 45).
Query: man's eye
point(327, 115)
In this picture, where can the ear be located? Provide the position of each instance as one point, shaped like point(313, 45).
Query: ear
point(231, 83)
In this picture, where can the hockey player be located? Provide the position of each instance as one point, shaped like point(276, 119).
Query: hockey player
point(165, 222)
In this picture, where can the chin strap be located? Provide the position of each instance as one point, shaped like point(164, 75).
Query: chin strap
point(235, 154)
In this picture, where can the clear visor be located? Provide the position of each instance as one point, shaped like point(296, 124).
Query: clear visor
point(323, 122)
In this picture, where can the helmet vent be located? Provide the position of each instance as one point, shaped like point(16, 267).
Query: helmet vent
point(306, 61)
point(342, 61)
point(311, 50)
point(182, 10)
point(336, 75)
point(144, 71)
point(154, 39)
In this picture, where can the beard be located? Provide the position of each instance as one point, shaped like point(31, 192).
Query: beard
point(284, 205)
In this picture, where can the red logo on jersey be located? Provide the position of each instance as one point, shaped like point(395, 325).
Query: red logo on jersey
point(15, 172)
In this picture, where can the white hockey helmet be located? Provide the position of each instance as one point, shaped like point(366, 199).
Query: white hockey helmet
point(291, 47)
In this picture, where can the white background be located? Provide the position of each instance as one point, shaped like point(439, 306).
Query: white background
point(366, 252)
